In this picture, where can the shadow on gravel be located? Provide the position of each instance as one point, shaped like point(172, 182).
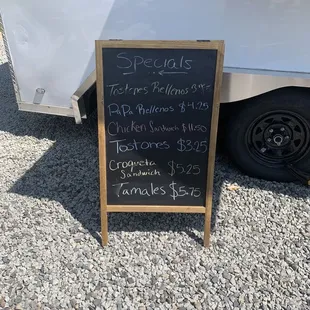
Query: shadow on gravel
point(67, 173)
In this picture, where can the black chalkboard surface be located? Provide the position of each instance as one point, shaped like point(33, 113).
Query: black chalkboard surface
point(158, 108)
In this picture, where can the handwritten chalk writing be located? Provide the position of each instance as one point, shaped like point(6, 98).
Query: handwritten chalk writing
point(117, 90)
point(189, 169)
point(169, 89)
point(201, 106)
point(122, 110)
point(114, 128)
point(157, 111)
point(181, 191)
point(130, 64)
point(138, 145)
point(162, 128)
point(189, 127)
point(163, 72)
point(192, 146)
point(125, 110)
point(153, 109)
point(203, 88)
point(125, 189)
point(131, 164)
point(139, 173)
point(185, 127)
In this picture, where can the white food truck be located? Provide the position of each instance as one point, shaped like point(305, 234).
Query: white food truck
point(265, 96)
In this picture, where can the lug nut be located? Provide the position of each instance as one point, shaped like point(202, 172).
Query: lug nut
point(286, 137)
point(282, 129)
point(270, 130)
point(269, 140)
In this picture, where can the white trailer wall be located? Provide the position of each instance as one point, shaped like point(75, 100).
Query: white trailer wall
point(52, 42)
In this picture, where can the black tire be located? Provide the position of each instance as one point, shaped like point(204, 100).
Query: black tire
point(255, 142)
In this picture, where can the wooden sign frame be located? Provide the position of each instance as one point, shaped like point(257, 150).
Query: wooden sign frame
point(207, 209)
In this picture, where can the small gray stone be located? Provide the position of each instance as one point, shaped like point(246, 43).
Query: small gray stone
point(33, 305)
point(5, 260)
point(18, 299)
point(123, 273)
point(172, 278)
point(137, 250)
point(227, 300)
point(119, 305)
point(221, 244)
point(91, 275)
point(155, 260)
point(228, 286)
point(197, 305)
point(89, 296)
point(215, 280)
point(73, 302)
point(97, 302)
point(226, 275)
point(236, 303)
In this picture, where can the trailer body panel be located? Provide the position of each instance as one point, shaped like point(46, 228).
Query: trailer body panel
point(51, 44)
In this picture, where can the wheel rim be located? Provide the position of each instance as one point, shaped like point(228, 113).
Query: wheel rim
point(278, 137)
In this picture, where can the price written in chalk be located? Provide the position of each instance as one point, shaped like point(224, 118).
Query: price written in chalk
point(202, 88)
point(192, 146)
point(179, 169)
point(181, 191)
point(200, 106)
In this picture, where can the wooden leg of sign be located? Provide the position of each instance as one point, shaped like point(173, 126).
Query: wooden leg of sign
point(213, 140)
point(207, 230)
point(104, 226)
point(102, 150)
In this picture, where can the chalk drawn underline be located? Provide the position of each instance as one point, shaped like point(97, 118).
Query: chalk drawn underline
point(162, 72)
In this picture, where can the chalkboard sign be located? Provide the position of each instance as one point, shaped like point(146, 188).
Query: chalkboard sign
point(158, 105)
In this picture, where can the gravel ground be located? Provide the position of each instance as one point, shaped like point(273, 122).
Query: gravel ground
point(50, 257)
